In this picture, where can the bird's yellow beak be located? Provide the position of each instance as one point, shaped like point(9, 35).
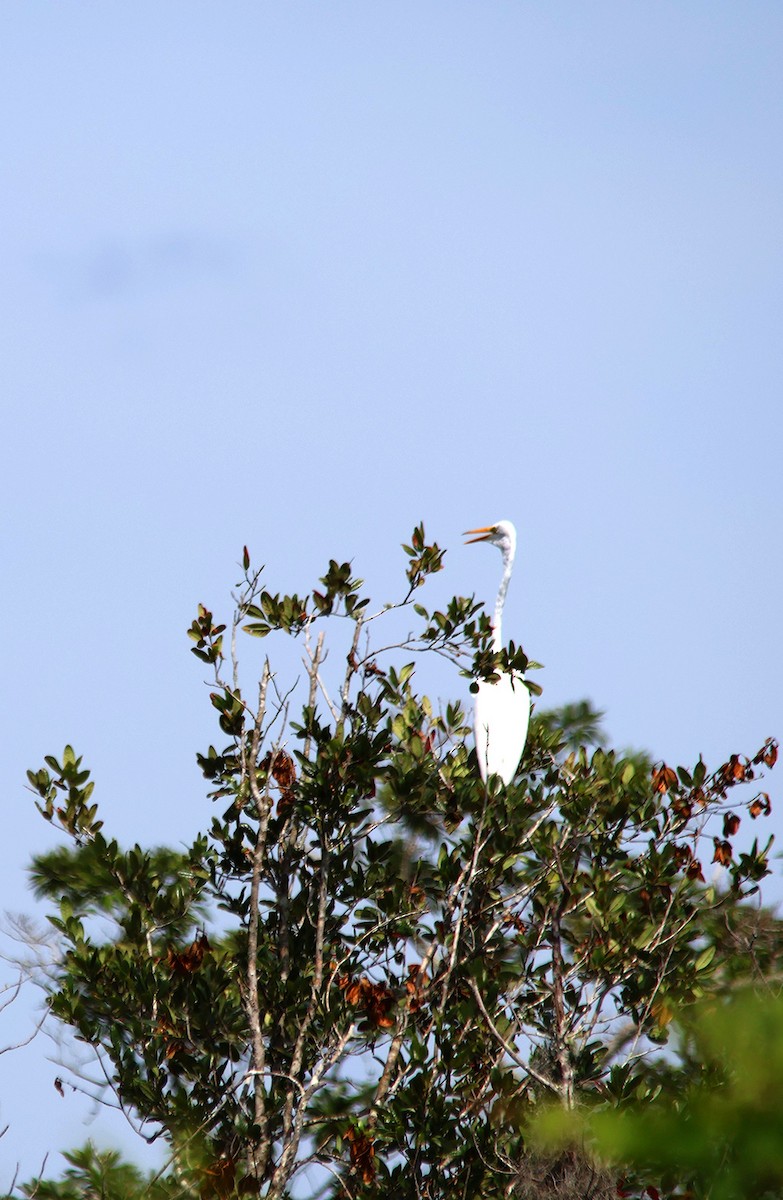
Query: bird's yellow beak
point(484, 532)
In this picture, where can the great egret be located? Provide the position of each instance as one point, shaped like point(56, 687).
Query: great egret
point(502, 709)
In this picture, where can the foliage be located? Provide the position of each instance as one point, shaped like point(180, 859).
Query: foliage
point(370, 971)
point(576, 725)
point(102, 1173)
point(717, 1133)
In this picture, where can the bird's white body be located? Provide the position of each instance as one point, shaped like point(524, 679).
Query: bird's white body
point(502, 713)
point(502, 709)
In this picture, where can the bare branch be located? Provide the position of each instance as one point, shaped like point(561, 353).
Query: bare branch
point(263, 805)
point(509, 1049)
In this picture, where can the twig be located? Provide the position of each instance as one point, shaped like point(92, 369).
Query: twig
point(316, 659)
point(561, 1045)
point(466, 883)
point(263, 805)
point(285, 1165)
point(509, 1049)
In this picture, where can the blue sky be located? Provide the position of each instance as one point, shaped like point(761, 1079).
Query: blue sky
point(299, 275)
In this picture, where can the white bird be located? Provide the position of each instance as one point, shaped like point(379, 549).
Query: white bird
point(502, 709)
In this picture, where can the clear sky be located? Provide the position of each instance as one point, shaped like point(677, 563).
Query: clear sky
point(299, 275)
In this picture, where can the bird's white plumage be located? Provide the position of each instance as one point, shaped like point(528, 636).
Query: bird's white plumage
point(502, 713)
point(502, 709)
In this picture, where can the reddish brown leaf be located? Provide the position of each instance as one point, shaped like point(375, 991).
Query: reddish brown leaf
point(416, 986)
point(220, 1177)
point(760, 804)
point(734, 771)
point(362, 1150)
point(189, 960)
point(378, 1007)
point(663, 778)
point(283, 770)
point(682, 855)
point(375, 998)
point(58, 1086)
point(731, 824)
point(286, 802)
point(352, 988)
point(723, 852)
point(682, 808)
point(694, 870)
point(768, 754)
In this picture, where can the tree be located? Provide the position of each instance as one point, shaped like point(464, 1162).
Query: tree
point(372, 970)
point(94, 1173)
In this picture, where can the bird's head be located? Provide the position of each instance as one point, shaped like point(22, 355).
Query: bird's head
point(503, 535)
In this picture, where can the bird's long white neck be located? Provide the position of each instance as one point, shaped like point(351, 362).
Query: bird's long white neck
point(497, 634)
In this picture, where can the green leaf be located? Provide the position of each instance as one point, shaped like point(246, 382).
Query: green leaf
point(705, 958)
